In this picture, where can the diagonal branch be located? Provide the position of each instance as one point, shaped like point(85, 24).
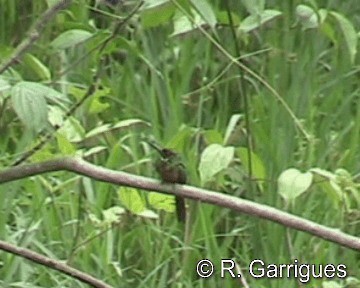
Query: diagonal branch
point(82, 167)
point(35, 33)
point(53, 264)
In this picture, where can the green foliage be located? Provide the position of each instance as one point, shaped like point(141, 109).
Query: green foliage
point(214, 159)
point(172, 73)
point(292, 183)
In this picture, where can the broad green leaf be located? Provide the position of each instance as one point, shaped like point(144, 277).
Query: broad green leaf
point(131, 199)
point(51, 95)
point(214, 159)
point(162, 201)
point(292, 183)
point(205, 10)
point(70, 38)
point(30, 106)
point(349, 32)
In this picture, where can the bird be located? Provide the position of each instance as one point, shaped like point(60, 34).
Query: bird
point(171, 169)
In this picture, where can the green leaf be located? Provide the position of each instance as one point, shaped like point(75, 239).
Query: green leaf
point(148, 214)
point(97, 131)
point(214, 159)
point(180, 138)
point(56, 116)
point(37, 66)
point(30, 106)
point(98, 105)
point(258, 169)
point(222, 17)
point(349, 32)
point(119, 126)
point(130, 123)
point(307, 17)
point(73, 130)
point(70, 38)
point(65, 147)
point(292, 183)
point(206, 11)
point(253, 22)
point(183, 25)
point(213, 136)
point(131, 200)
point(95, 150)
point(327, 182)
point(4, 86)
point(234, 134)
point(162, 201)
point(254, 7)
point(347, 184)
point(157, 13)
point(51, 95)
point(111, 216)
point(150, 4)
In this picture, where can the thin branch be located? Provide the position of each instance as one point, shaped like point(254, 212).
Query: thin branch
point(34, 33)
point(82, 167)
point(53, 264)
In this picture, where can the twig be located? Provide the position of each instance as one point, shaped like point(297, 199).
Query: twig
point(53, 264)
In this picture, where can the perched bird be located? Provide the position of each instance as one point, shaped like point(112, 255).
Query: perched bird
point(171, 170)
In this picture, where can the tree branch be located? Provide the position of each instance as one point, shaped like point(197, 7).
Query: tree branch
point(53, 264)
point(82, 167)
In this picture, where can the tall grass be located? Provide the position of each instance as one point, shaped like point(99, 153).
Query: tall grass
point(162, 80)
